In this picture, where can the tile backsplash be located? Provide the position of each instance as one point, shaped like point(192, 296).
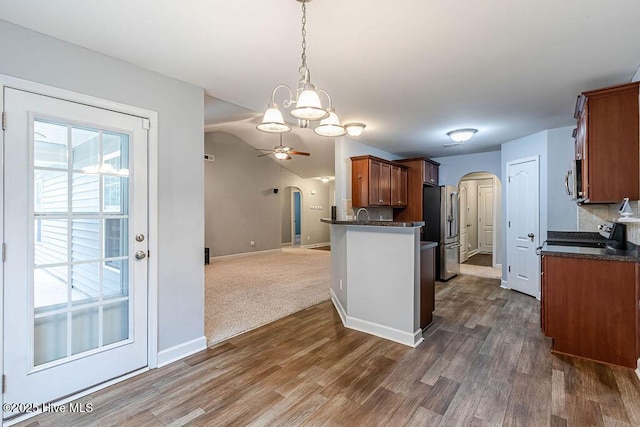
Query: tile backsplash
point(590, 216)
point(347, 211)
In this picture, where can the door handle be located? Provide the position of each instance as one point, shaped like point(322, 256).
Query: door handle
point(141, 255)
point(531, 236)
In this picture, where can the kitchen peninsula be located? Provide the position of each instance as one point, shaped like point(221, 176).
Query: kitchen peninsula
point(376, 277)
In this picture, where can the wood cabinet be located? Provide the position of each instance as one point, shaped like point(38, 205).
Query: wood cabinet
point(419, 169)
point(431, 170)
point(590, 308)
point(427, 284)
point(608, 143)
point(399, 178)
point(374, 184)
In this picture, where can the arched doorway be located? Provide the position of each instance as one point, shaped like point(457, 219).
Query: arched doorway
point(480, 214)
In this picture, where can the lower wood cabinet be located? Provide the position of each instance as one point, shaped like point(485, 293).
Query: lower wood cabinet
point(590, 308)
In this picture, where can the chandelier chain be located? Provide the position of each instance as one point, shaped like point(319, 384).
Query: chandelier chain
point(304, 34)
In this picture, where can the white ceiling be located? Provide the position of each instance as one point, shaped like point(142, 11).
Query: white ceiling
point(411, 70)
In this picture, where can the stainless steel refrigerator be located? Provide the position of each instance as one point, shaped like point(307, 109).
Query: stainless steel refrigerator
point(441, 213)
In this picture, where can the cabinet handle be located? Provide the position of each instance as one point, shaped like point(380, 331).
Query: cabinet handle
point(380, 201)
point(432, 180)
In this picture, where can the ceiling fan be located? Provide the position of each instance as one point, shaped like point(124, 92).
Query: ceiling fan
point(282, 152)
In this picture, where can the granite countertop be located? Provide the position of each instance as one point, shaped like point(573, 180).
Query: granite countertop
point(567, 244)
point(374, 223)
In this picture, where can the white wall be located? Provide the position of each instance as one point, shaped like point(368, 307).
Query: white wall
point(562, 211)
point(240, 205)
point(39, 58)
point(529, 146)
point(453, 168)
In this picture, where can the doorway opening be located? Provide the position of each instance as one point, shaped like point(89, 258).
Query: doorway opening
point(480, 214)
point(292, 216)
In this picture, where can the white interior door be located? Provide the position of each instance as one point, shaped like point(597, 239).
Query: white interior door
point(523, 213)
point(485, 219)
point(75, 302)
point(464, 225)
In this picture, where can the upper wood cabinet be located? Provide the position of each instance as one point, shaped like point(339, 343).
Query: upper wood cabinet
point(608, 143)
point(431, 169)
point(377, 182)
point(399, 178)
point(420, 173)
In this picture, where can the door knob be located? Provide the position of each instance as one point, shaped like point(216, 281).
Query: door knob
point(531, 236)
point(141, 255)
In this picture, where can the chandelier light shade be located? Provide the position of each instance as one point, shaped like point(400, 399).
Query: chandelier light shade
point(462, 135)
point(331, 125)
point(306, 105)
point(272, 121)
point(355, 129)
point(281, 155)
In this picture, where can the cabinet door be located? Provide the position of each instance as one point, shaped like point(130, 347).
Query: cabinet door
point(399, 178)
point(375, 196)
point(430, 173)
point(581, 149)
point(384, 188)
point(360, 183)
point(612, 148)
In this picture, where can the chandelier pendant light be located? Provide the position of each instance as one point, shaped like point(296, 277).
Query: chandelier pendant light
point(306, 104)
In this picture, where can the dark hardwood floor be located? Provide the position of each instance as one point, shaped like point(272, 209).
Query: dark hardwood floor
point(483, 362)
point(482, 260)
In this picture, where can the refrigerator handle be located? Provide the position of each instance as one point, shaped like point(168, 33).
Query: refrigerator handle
point(454, 217)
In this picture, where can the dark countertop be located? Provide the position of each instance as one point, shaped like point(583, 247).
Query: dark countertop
point(567, 244)
point(374, 223)
point(427, 245)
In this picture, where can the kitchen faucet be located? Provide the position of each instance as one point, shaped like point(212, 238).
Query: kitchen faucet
point(365, 211)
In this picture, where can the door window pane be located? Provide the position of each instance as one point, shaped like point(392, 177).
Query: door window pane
point(50, 288)
point(50, 147)
point(85, 145)
point(85, 282)
point(115, 279)
point(51, 241)
point(116, 152)
point(85, 193)
point(85, 239)
point(85, 325)
point(50, 339)
point(116, 322)
point(50, 191)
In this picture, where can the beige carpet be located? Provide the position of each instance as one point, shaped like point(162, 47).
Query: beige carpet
point(246, 292)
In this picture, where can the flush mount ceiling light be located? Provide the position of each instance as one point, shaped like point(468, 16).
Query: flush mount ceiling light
point(355, 129)
point(324, 179)
point(461, 135)
point(307, 102)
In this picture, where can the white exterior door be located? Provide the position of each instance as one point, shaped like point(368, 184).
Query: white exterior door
point(485, 219)
point(75, 283)
point(464, 226)
point(523, 216)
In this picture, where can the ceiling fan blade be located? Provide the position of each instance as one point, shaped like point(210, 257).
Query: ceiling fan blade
point(262, 155)
point(300, 153)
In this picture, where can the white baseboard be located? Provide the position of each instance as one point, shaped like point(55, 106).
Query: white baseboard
point(338, 306)
point(391, 334)
point(472, 253)
point(181, 351)
point(244, 254)
point(504, 284)
point(317, 245)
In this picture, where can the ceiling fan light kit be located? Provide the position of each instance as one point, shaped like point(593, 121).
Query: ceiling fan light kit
point(307, 102)
point(461, 135)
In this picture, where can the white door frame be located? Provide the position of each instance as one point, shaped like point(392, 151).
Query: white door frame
point(45, 90)
point(537, 216)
